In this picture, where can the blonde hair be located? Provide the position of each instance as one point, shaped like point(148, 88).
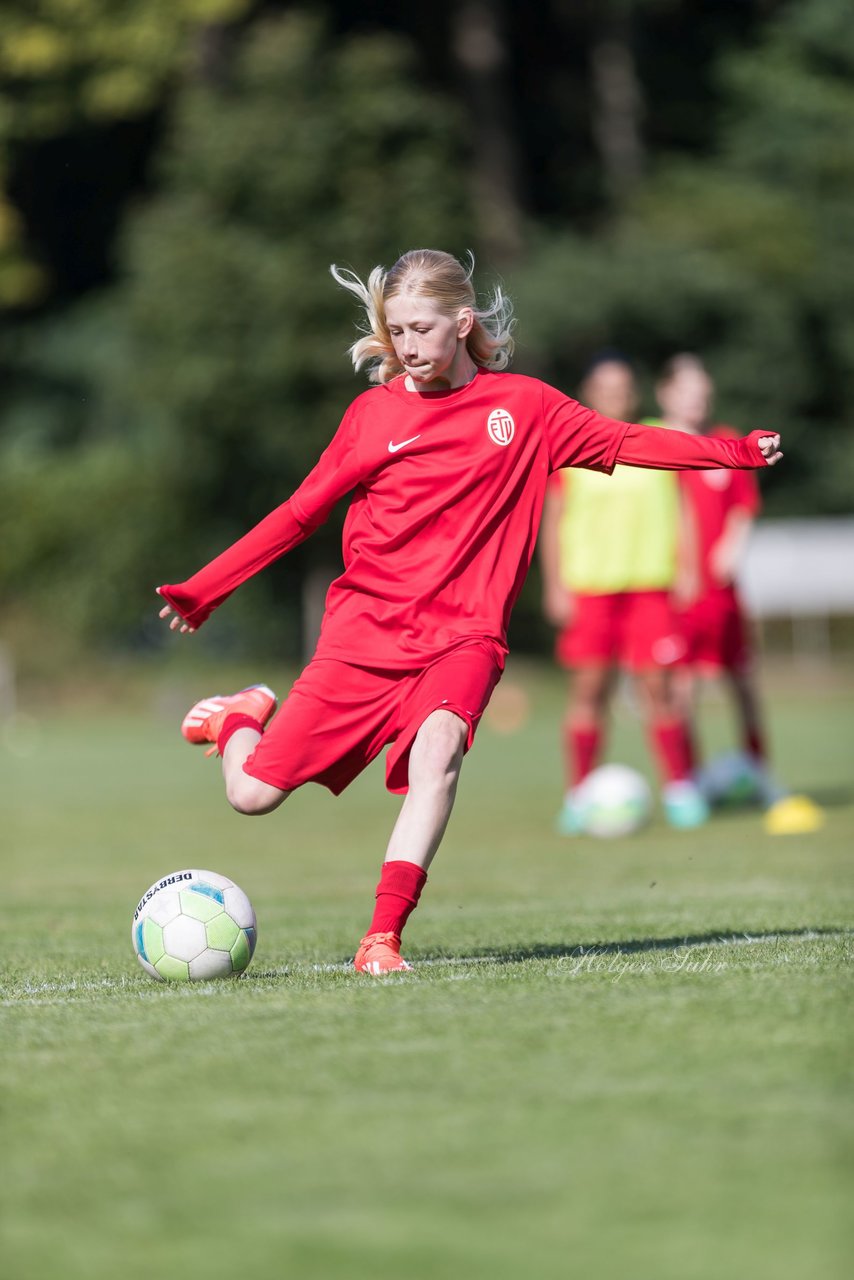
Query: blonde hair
point(431, 274)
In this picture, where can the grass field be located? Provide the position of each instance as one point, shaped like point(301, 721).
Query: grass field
point(614, 1059)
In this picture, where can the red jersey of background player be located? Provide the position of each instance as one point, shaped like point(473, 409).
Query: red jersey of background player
point(448, 490)
point(712, 495)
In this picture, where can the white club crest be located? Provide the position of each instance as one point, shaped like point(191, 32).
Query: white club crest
point(500, 426)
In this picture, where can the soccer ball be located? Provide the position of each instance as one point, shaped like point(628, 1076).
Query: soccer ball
point(731, 779)
point(193, 925)
point(613, 800)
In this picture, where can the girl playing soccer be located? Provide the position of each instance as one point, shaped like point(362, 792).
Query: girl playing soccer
point(448, 459)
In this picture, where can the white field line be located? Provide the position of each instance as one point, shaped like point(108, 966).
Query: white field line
point(579, 957)
point(607, 952)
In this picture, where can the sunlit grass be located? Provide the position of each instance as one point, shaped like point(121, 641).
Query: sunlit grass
point(612, 1059)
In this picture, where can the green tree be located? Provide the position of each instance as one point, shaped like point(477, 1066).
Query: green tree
point(67, 65)
point(317, 152)
point(744, 257)
point(218, 371)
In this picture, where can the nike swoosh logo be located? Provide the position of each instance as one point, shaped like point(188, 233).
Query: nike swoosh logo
point(393, 448)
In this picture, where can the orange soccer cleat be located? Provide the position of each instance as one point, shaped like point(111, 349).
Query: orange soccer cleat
point(204, 721)
point(380, 953)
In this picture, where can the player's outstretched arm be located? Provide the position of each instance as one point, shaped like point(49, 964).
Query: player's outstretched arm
point(338, 470)
point(188, 604)
point(668, 450)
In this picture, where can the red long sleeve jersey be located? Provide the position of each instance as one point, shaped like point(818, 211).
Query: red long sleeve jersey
point(448, 491)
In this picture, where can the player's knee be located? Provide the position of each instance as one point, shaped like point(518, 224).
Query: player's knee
point(442, 743)
point(656, 686)
point(252, 797)
point(591, 692)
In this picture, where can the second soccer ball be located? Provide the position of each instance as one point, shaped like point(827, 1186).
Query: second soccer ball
point(613, 800)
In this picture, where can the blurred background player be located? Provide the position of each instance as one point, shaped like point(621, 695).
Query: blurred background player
point(610, 549)
point(721, 506)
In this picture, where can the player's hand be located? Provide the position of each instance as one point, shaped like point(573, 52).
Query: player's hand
point(769, 447)
point(176, 623)
point(557, 606)
point(723, 562)
point(686, 588)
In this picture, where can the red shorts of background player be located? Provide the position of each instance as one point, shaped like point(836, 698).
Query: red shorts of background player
point(338, 717)
point(717, 633)
point(637, 630)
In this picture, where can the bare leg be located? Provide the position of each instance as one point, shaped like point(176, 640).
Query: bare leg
point(746, 697)
point(591, 691)
point(247, 794)
point(670, 738)
point(586, 721)
point(685, 693)
point(656, 689)
point(434, 769)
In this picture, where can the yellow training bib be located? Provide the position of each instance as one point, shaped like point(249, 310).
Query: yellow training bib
point(618, 532)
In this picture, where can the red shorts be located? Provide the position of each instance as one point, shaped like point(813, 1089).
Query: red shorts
point(717, 633)
point(338, 717)
point(637, 630)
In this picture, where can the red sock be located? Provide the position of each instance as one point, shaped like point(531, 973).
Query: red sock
point(672, 748)
point(582, 746)
point(397, 896)
point(754, 743)
point(237, 720)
